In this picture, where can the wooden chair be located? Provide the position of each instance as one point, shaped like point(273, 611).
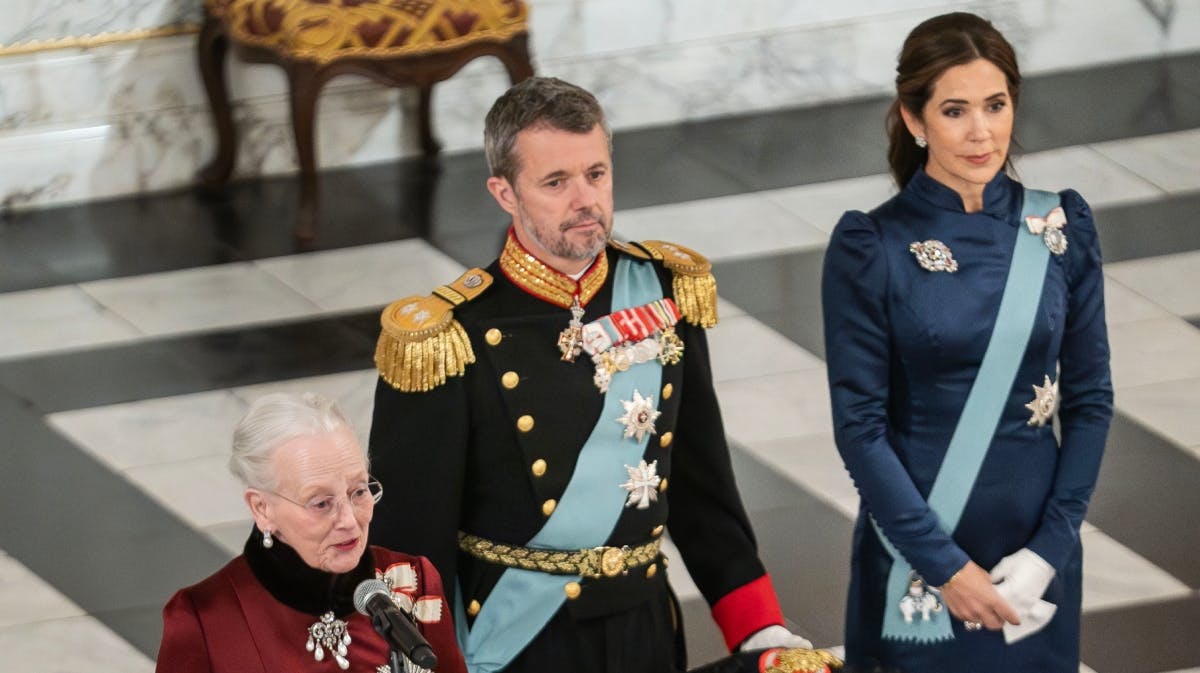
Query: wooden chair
point(396, 42)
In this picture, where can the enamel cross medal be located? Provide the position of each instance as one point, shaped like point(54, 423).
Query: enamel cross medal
point(570, 340)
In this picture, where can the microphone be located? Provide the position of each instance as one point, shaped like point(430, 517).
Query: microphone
point(373, 598)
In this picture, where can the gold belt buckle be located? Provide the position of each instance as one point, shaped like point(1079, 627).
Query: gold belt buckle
point(612, 560)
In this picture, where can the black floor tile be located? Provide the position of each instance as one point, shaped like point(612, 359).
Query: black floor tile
point(1147, 499)
point(129, 554)
point(1143, 639)
point(1160, 227)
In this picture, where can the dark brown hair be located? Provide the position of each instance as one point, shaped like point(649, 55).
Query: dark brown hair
point(537, 101)
point(932, 48)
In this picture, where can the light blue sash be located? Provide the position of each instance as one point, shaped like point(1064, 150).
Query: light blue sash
point(980, 415)
point(523, 601)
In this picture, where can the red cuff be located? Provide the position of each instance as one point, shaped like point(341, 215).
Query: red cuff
point(746, 610)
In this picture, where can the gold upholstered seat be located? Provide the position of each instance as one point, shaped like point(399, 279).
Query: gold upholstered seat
point(397, 42)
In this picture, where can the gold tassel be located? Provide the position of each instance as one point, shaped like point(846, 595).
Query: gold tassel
point(696, 297)
point(418, 360)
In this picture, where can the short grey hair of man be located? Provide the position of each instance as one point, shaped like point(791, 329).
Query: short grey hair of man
point(273, 420)
point(535, 102)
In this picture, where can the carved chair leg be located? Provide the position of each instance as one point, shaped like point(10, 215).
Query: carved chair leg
point(305, 82)
point(211, 47)
point(515, 57)
point(429, 145)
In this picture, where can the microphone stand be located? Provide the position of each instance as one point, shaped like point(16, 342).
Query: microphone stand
point(383, 627)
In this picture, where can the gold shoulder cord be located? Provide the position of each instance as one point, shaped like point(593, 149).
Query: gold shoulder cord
point(694, 286)
point(420, 343)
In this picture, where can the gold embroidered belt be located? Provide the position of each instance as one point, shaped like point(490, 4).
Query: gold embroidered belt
point(594, 562)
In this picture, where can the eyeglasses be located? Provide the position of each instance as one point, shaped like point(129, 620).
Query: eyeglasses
point(361, 498)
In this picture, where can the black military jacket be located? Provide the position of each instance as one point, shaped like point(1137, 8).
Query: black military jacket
point(453, 458)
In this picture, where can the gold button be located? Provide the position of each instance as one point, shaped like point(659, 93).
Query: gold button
point(651, 571)
point(473, 608)
point(666, 561)
point(667, 390)
point(548, 506)
point(572, 590)
point(665, 440)
point(493, 336)
point(538, 468)
point(656, 531)
point(525, 423)
point(510, 380)
point(662, 485)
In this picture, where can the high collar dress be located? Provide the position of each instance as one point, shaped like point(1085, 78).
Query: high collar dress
point(904, 345)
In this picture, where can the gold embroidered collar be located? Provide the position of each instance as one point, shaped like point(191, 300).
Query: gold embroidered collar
point(539, 280)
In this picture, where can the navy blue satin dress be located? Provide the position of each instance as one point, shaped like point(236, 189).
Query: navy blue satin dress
point(903, 347)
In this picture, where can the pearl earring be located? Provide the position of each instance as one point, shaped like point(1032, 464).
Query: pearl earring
point(268, 542)
point(921, 142)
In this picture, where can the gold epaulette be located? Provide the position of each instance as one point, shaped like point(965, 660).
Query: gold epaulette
point(420, 343)
point(694, 285)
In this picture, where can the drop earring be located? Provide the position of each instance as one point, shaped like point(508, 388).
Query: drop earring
point(268, 541)
point(921, 142)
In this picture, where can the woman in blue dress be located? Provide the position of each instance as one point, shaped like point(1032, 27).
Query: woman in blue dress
point(962, 317)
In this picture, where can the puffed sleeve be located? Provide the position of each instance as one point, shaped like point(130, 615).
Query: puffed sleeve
point(183, 648)
point(1085, 384)
point(440, 635)
point(854, 288)
point(418, 448)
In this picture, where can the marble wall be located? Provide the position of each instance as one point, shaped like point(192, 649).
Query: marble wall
point(131, 116)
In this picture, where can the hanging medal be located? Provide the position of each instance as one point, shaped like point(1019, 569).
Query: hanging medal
point(920, 599)
point(570, 341)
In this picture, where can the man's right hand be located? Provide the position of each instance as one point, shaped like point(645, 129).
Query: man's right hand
point(971, 597)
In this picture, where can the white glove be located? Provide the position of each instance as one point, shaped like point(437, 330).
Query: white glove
point(1021, 578)
point(774, 636)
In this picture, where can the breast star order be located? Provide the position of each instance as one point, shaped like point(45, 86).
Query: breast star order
point(1045, 402)
point(642, 485)
point(639, 417)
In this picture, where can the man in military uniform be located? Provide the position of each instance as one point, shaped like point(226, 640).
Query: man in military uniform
point(534, 419)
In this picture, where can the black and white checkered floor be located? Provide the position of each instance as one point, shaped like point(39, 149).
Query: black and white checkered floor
point(135, 332)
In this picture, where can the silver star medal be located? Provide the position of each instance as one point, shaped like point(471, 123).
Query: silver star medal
point(1044, 404)
point(1050, 228)
point(933, 255)
point(639, 417)
point(642, 485)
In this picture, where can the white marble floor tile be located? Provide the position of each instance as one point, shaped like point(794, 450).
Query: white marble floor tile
point(743, 347)
point(1171, 281)
point(1185, 670)
point(727, 309)
point(677, 574)
point(823, 204)
point(1153, 351)
point(1122, 304)
point(200, 491)
point(364, 276)
point(69, 644)
point(1171, 408)
point(1170, 161)
point(763, 408)
point(726, 227)
point(200, 299)
point(57, 318)
point(1115, 576)
point(155, 431)
point(25, 598)
point(1100, 180)
point(354, 392)
point(230, 536)
point(811, 461)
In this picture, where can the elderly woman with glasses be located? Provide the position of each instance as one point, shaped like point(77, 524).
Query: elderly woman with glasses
point(287, 603)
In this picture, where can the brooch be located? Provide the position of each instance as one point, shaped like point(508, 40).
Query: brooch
point(1050, 228)
point(919, 599)
point(933, 255)
point(329, 633)
point(642, 485)
point(1045, 402)
point(639, 417)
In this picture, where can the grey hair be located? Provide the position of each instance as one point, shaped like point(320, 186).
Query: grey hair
point(273, 420)
point(534, 102)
